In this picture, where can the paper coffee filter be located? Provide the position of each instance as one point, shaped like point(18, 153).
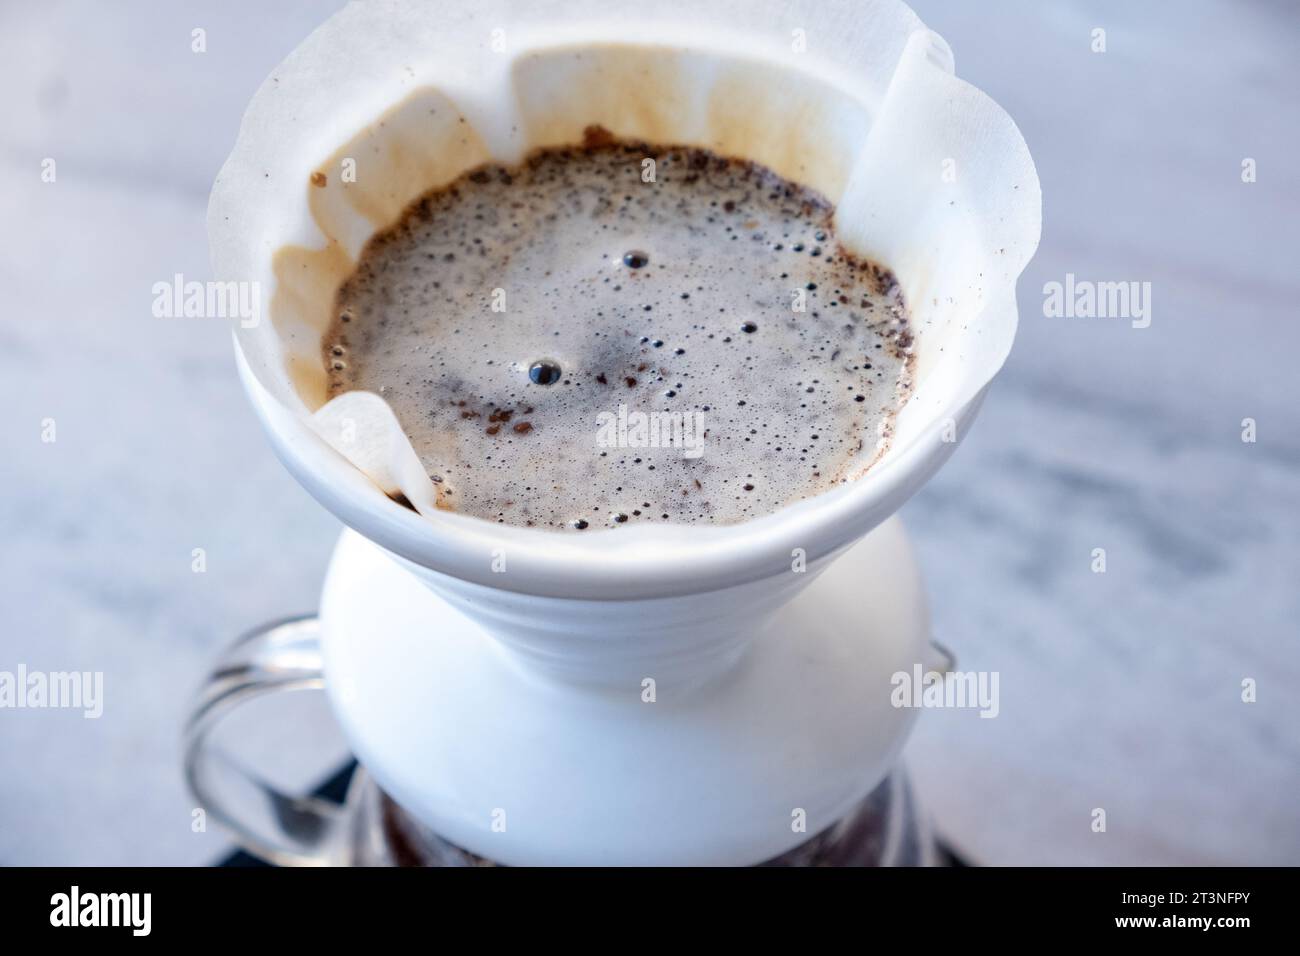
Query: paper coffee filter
point(389, 99)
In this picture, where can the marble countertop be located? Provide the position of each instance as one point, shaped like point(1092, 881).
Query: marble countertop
point(1119, 690)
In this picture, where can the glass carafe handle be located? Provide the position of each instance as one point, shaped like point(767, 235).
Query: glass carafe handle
point(283, 829)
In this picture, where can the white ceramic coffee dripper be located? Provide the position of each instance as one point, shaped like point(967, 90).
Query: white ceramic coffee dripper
point(645, 694)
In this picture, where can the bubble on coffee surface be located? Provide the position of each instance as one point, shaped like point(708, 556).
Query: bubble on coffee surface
point(507, 311)
point(544, 372)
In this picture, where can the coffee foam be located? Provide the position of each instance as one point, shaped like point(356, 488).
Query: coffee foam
point(699, 307)
point(858, 101)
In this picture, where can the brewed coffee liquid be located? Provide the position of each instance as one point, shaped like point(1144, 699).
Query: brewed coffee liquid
point(624, 333)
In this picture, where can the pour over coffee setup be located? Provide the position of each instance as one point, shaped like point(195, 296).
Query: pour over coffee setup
point(657, 694)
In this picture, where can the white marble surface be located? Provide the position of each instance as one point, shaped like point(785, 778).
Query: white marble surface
point(1119, 690)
